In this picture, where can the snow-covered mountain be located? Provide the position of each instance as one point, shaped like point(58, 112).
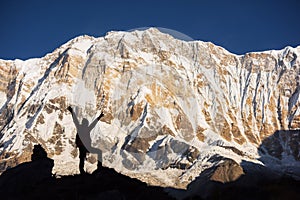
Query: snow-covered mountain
point(170, 106)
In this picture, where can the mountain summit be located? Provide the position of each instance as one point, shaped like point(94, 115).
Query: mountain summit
point(172, 109)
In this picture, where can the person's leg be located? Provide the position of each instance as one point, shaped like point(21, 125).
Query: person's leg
point(99, 165)
point(99, 157)
point(82, 155)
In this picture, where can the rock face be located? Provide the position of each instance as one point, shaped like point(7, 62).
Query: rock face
point(169, 106)
point(226, 172)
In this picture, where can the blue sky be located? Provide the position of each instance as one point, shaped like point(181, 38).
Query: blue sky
point(33, 28)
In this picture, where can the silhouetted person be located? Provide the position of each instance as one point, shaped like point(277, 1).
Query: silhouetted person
point(83, 139)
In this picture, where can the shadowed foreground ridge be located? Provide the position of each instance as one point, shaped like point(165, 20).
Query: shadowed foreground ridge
point(29, 181)
point(108, 184)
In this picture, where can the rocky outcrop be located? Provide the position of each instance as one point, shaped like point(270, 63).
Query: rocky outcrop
point(228, 171)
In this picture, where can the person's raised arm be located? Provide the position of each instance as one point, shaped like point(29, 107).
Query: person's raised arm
point(93, 124)
point(75, 120)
